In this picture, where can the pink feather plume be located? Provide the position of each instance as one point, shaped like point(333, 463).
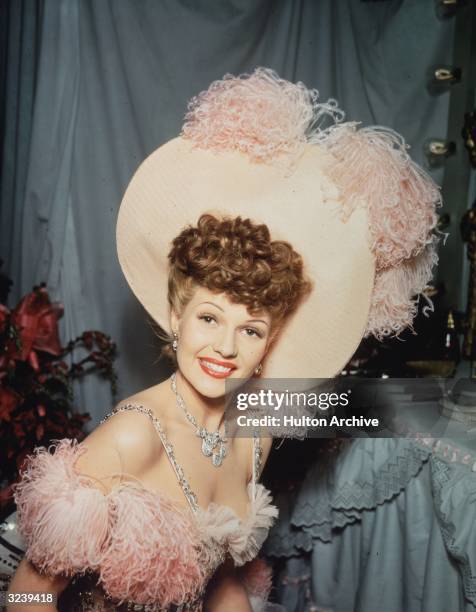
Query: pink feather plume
point(152, 556)
point(372, 168)
point(63, 518)
point(143, 545)
point(394, 304)
point(272, 120)
point(257, 578)
point(261, 115)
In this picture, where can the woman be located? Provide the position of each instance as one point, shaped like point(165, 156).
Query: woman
point(251, 146)
point(223, 321)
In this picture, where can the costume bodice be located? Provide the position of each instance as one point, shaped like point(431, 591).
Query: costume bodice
point(179, 472)
point(241, 538)
point(132, 549)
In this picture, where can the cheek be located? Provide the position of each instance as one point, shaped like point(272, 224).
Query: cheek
point(193, 335)
point(253, 353)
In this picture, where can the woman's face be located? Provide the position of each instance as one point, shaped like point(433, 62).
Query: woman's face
point(218, 339)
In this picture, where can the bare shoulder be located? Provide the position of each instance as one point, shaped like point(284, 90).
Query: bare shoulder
point(125, 443)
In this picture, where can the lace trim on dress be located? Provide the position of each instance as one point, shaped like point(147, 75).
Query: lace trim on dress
point(323, 506)
point(448, 481)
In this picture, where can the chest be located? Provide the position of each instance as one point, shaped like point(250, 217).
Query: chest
point(226, 485)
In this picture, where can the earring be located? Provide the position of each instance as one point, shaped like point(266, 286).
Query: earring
point(175, 342)
point(259, 369)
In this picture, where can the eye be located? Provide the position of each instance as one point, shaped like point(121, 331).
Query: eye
point(207, 318)
point(251, 331)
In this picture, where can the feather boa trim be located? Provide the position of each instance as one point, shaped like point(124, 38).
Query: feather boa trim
point(243, 539)
point(256, 577)
point(143, 545)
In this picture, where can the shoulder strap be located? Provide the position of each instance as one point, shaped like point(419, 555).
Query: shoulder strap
point(168, 447)
point(257, 452)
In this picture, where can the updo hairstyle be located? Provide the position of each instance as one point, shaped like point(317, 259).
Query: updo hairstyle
point(237, 257)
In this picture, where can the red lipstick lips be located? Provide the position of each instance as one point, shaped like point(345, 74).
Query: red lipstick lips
point(214, 373)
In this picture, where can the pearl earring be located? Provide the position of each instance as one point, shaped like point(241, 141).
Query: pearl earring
point(175, 342)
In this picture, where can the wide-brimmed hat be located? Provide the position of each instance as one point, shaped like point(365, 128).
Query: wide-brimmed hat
point(350, 201)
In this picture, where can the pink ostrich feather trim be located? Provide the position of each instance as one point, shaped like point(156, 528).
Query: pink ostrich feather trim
point(371, 166)
point(144, 546)
point(394, 304)
point(64, 519)
point(153, 551)
point(261, 115)
point(242, 538)
point(272, 120)
point(257, 578)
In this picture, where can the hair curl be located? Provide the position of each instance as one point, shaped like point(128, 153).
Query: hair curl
point(237, 257)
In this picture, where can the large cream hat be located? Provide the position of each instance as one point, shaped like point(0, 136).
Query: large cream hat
point(252, 146)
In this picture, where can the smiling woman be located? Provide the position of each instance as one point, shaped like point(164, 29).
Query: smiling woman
point(230, 287)
point(157, 509)
point(219, 336)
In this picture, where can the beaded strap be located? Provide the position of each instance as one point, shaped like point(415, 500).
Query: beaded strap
point(257, 454)
point(169, 449)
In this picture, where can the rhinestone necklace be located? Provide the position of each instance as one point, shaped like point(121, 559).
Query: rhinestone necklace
point(210, 440)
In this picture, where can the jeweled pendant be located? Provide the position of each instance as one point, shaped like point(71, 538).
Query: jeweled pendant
point(217, 459)
point(209, 440)
point(207, 449)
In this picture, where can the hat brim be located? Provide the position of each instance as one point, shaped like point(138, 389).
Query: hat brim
point(177, 183)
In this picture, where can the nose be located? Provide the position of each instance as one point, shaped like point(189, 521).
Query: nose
point(225, 344)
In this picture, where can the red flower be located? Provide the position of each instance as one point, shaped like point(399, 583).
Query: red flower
point(9, 400)
point(4, 314)
point(6, 494)
point(36, 320)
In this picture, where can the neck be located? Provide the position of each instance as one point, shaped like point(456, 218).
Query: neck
point(209, 412)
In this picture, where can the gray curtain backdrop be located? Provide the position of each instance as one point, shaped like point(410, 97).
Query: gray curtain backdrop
point(20, 29)
point(113, 78)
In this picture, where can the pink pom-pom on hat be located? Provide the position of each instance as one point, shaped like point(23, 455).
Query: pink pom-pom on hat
point(265, 117)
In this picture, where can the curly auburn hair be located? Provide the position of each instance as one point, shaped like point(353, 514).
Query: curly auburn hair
point(237, 257)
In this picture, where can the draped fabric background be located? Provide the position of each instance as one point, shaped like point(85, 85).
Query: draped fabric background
point(111, 81)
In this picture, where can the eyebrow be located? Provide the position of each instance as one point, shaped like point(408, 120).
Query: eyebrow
point(248, 321)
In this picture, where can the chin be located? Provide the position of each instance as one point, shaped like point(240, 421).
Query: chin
point(207, 386)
